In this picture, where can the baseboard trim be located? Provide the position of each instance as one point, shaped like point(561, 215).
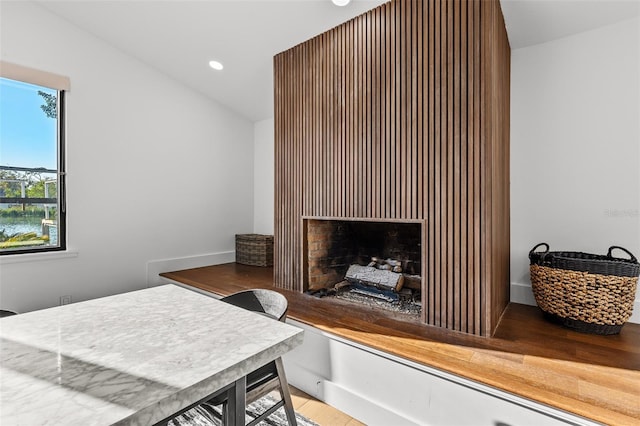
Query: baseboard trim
point(522, 293)
point(156, 267)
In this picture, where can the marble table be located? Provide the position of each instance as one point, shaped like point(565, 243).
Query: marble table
point(132, 359)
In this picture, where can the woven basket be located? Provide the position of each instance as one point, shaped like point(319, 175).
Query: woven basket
point(254, 249)
point(585, 292)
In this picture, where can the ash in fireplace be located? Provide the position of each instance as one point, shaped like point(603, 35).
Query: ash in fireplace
point(407, 301)
point(410, 307)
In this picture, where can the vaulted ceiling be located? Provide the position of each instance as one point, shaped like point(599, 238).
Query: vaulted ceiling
point(180, 37)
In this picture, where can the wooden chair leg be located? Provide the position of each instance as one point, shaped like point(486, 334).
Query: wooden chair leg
point(286, 395)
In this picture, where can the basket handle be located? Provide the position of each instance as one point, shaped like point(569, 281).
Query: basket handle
point(632, 257)
point(541, 244)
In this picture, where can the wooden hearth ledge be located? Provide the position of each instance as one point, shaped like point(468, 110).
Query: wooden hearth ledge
point(597, 377)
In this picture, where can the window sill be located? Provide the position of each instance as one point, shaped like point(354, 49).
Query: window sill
point(37, 257)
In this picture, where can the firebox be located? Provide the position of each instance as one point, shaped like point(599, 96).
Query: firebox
point(365, 261)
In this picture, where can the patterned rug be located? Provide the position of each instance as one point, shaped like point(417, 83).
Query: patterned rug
point(208, 415)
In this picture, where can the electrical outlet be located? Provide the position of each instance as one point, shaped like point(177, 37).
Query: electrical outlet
point(65, 300)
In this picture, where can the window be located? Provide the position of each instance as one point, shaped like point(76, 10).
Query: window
point(32, 208)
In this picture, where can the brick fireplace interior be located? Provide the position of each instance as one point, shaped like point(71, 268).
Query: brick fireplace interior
point(333, 245)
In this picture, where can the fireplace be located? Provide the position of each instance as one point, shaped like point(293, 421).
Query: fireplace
point(401, 114)
point(378, 263)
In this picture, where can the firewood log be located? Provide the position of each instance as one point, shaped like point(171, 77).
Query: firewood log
point(368, 275)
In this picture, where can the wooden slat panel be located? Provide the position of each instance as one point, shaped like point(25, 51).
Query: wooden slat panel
point(450, 192)
point(485, 156)
point(476, 170)
point(436, 212)
point(332, 131)
point(396, 119)
point(417, 113)
point(404, 160)
point(350, 177)
point(391, 201)
point(377, 90)
point(359, 140)
point(429, 274)
point(398, 114)
point(470, 172)
point(464, 284)
point(455, 310)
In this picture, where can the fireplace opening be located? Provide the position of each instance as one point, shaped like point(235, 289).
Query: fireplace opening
point(374, 263)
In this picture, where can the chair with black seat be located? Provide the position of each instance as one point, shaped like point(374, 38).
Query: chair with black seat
point(271, 376)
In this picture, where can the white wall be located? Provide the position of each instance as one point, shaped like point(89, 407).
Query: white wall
point(155, 170)
point(263, 180)
point(575, 146)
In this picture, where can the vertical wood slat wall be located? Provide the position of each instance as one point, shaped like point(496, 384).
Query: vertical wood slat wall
point(403, 113)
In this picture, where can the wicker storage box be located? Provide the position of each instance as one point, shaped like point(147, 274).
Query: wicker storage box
point(585, 292)
point(254, 249)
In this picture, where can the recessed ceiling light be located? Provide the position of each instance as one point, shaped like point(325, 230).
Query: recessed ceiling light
point(341, 2)
point(215, 65)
